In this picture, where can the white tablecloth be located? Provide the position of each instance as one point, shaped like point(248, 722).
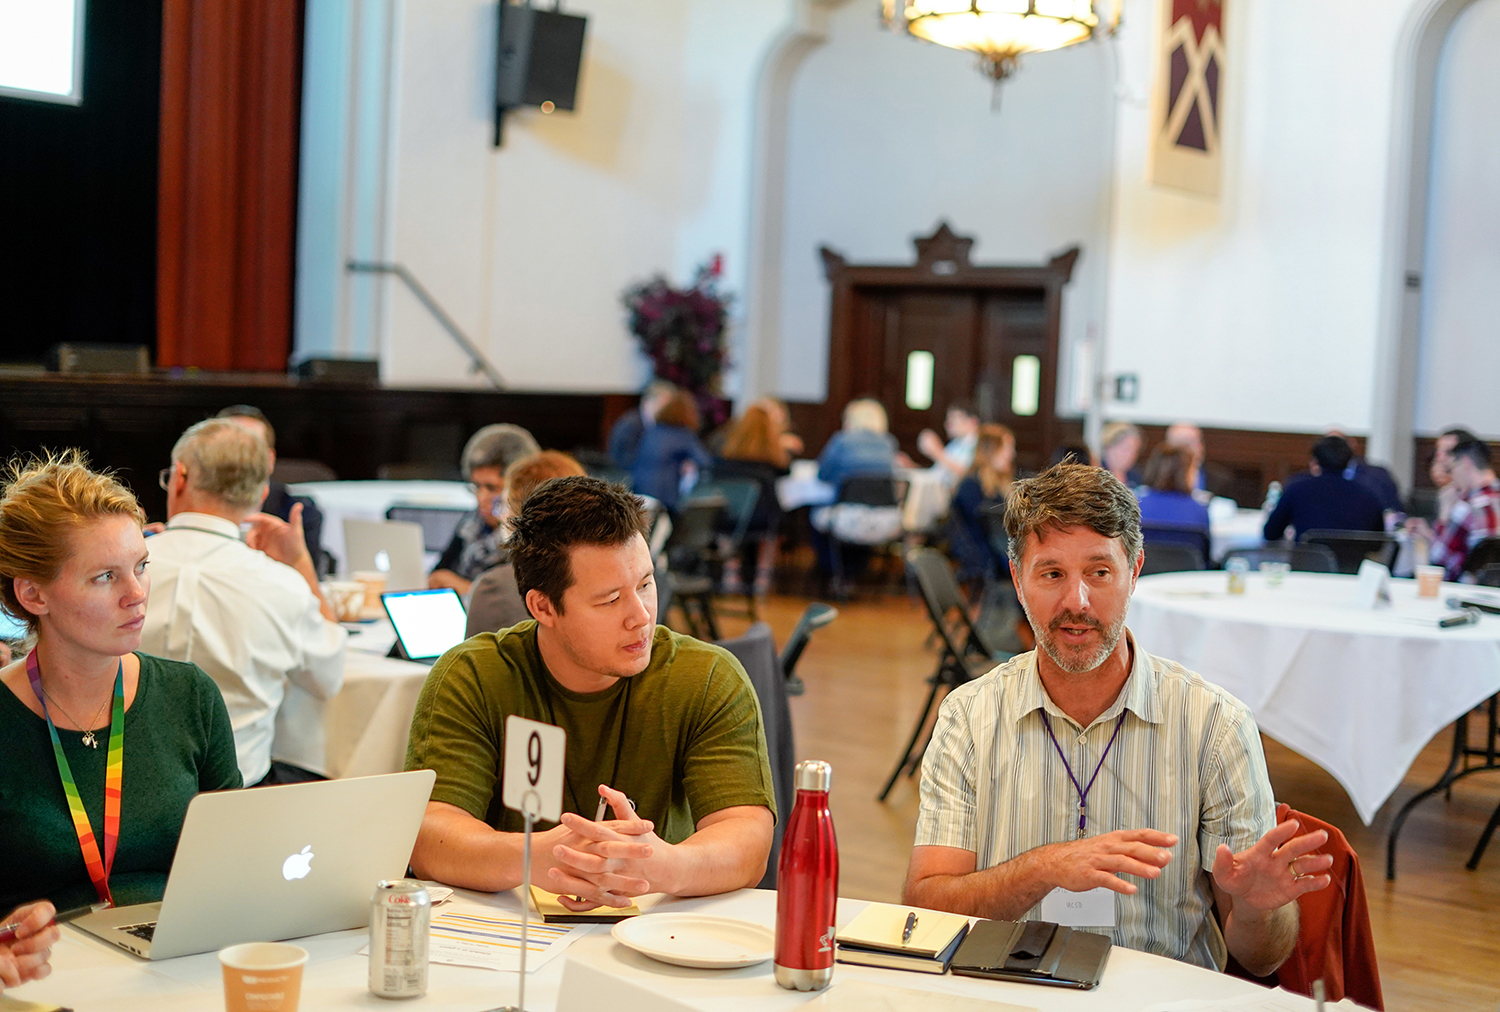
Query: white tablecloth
point(88, 974)
point(368, 500)
point(366, 725)
point(1360, 693)
point(926, 501)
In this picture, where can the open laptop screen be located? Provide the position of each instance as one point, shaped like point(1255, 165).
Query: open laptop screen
point(427, 622)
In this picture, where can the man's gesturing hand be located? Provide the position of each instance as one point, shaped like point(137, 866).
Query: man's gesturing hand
point(604, 862)
point(1277, 869)
point(1101, 860)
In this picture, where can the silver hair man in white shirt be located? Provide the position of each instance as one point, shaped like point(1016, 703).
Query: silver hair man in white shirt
point(1090, 783)
point(249, 612)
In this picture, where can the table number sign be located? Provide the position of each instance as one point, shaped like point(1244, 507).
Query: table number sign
point(532, 782)
point(1374, 587)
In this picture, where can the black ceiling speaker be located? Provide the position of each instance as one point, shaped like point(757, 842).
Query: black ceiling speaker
point(540, 54)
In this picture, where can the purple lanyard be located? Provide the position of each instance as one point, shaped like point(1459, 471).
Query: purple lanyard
point(1083, 792)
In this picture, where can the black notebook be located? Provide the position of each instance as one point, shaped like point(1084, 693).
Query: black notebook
point(1033, 952)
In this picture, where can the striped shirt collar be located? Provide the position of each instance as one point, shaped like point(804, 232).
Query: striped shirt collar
point(1138, 695)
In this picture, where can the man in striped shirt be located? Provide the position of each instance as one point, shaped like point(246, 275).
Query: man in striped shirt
point(1090, 783)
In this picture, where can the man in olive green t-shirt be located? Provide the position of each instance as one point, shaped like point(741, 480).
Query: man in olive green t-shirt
point(664, 728)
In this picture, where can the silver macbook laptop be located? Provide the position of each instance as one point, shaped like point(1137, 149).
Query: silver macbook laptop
point(427, 622)
point(273, 863)
point(392, 547)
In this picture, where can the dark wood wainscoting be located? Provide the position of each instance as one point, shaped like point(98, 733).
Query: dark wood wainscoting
point(130, 424)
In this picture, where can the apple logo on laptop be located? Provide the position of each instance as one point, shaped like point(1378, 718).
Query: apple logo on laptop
point(298, 865)
point(383, 561)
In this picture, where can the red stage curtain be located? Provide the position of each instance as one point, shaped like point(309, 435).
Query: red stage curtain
point(226, 216)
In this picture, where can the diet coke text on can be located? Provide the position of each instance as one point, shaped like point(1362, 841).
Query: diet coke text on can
point(400, 916)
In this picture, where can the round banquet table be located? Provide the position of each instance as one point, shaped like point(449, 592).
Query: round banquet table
point(368, 500)
point(1359, 692)
point(90, 974)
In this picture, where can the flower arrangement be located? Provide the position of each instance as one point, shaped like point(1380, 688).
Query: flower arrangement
point(685, 334)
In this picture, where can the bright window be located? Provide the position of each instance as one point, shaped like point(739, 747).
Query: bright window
point(41, 50)
point(1025, 384)
point(919, 370)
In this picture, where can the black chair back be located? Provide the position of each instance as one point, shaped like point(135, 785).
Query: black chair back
point(1486, 553)
point(1353, 547)
point(814, 617)
point(870, 490)
point(695, 525)
point(756, 652)
point(438, 522)
point(740, 498)
point(1302, 558)
point(1489, 576)
point(1165, 557)
point(1184, 535)
point(1422, 502)
point(945, 605)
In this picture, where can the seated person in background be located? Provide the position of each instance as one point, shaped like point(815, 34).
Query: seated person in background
point(279, 500)
point(670, 452)
point(1329, 499)
point(494, 599)
point(479, 542)
point(1442, 462)
point(26, 958)
point(1189, 437)
point(73, 568)
point(863, 446)
point(982, 491)
point(626, 434)
point(1174, 813)
point(953, 460)
point(1475, 514)
point(1166, 497)
point(1121, 445)
point(755, 448)
point(664, 728)
point(250, 613)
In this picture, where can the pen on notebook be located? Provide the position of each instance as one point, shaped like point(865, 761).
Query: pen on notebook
point(911, 925)
point(598, 817)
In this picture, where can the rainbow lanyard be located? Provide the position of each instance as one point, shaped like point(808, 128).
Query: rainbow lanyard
point(113, 774)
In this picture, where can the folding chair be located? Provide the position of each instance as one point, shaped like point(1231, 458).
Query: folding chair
point(756, 652)
point(959, 641)
point(740, 498)
point(694, 531)
point(1482, 555)
point(1353, 547)
point(875, 491)
point(814, 617)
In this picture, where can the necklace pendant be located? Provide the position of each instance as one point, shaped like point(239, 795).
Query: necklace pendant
point(90, 740)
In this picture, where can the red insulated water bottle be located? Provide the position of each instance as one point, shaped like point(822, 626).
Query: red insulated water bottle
point(807, 885)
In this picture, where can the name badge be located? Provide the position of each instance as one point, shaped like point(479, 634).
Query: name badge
point(1092, 909)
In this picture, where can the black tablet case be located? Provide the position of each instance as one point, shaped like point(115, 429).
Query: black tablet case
point(1033, 952)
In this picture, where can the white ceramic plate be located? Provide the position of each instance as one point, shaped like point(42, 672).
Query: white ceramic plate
point(695, 940)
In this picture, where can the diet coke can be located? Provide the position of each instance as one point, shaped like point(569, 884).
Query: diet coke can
point(400, 914)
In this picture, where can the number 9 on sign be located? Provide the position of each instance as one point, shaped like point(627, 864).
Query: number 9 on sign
point(532, 776)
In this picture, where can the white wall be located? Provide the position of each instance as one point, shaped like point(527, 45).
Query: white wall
point(1260, 309)
point(889, 135)
point(1460, 339)
point(529, 246)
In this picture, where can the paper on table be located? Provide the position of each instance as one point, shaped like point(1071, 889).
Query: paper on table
point(1269, 1001)
point(469, 935)
point(863, 996)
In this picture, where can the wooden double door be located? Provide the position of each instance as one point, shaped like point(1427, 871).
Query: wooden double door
point(922, 337)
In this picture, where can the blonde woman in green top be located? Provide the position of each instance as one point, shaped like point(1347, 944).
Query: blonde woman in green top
point(664, 729)
point(84, 710)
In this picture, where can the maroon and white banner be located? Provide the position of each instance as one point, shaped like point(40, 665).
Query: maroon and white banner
point(1187, 99)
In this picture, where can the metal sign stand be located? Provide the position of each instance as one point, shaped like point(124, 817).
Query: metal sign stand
point(531, 804)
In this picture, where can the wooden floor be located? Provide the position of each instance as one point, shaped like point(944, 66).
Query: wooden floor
point(1437, 927)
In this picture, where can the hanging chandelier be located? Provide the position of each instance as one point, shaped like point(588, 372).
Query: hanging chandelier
point(999, 31)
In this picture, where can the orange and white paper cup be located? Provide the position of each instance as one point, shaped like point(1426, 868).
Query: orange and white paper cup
point(262, 976)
